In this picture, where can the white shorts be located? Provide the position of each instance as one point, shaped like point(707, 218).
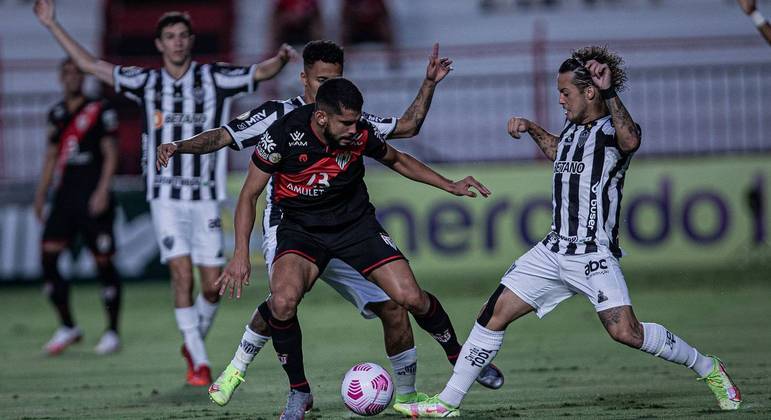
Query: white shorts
point(348, 282)
point(543, 279)
point(189, 228)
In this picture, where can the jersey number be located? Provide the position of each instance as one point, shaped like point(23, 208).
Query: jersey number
point(323, 179)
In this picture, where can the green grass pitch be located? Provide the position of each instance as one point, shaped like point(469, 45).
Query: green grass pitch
point(563, 365)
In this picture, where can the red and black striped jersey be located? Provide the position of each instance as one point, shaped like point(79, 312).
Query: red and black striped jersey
point(316, 184)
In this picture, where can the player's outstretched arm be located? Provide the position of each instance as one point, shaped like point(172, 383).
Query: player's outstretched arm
point(236, 273)
point(411, 168)
point(272, 66)
point(200, 144)
point(410, 122)
point(49, 164)
point(546, 141)
point(627, 132)
point(45, 12)
point(750, 9)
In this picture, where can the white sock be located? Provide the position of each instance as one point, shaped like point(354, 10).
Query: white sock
point(478, 351)
point(660, 342)
point(405, 366)
point(187, 322)
point(206, 311)
point(250, 345)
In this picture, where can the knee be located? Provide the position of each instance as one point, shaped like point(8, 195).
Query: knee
point(390, 313)
point(211, 295)
point(103, 261)
point(630, 335)
point(283, 306)
point(50, 258)
point(181, 278)
point(414, 301)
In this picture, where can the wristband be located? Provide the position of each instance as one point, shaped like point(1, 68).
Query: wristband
point(757, 18)
point(608, 93)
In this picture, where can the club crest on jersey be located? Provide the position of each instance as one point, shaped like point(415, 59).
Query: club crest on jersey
point(387, 239)
point(584, 136)
point(343, 158)
point(297, 137)
point(198, 95)
point(274, 157)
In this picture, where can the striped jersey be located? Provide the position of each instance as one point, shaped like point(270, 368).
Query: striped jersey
point(247, 128)
point(175, 109)
point(587, 186)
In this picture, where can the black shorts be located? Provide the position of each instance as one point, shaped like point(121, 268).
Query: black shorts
point(363, 244)
point(66, 221)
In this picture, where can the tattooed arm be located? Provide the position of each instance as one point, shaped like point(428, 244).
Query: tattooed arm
point(200, 144)
point(409, 124)
point(627, 132)
point(546, 141)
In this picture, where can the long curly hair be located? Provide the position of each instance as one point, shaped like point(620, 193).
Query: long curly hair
point(578, 59)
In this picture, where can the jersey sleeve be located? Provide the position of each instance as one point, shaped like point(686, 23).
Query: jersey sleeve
point(268, 152)
point(247, 127)
point(231, 80)
point(385, 126)
point(130, 81)
point(108, 120)
point(376, 146)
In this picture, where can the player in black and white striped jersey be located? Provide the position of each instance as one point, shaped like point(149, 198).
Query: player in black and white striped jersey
point(324, 60)
point(581, 253)
point(182, 98)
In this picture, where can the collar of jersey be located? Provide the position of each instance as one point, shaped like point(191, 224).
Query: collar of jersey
point(593, 122)
point(184, 75)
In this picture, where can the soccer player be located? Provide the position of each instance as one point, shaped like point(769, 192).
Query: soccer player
point(581, 253)
point(82, 155)
point(324, 60)
point(180, 99)
point(326, 214)
point(749, 7)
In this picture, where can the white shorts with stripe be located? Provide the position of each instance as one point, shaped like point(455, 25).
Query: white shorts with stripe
point(339, 275)
point(543, 279)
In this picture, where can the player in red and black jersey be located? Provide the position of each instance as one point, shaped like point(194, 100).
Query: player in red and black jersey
point(80, 161)
point(316, 155)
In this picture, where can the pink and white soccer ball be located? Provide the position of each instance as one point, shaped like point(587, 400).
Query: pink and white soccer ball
point(367, 389)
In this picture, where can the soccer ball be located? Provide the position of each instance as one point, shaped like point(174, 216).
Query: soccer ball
point(367, 389)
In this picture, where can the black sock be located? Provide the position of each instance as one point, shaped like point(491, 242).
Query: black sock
point(111, 293)
point(57, 289)
point(287, 341)
point(266, 315)
point(437, 323)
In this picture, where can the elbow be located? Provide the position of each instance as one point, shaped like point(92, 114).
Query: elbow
point(630, 145)
point(414, 129)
